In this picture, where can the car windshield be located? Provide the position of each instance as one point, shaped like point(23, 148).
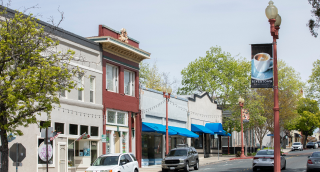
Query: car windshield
point(316, 154)
point(296, 143)
point(310, 143)
point(265, 153)
point(106, 160)
point(178, 152)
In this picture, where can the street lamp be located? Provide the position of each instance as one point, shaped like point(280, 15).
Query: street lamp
point(169, 90)
point(275, 21)
point(241, 101)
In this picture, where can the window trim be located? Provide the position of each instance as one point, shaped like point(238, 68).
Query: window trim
point(132, 76)
point(90, 131)
point(64, 127)
point(78, 130)
point(93, 89)
point(115, 79)
point(84, 126)
point(116, 118)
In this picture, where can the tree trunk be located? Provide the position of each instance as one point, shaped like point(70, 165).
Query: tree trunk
point(305, 139)
point(260, 141)
point(4, 151)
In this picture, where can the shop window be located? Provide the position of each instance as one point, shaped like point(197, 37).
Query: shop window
point(42, 152)
point(59, 127)
point(94, 151)
point(73, 129)
point(197, 142)
point(71, 153)
point(111, 116)
point(121, 118)
point(112, 78)
point(151, 146)
point(82, 148)
point(129, 78)
point(108, 135)
point(94, 131)
point(92, 89)
point(83, 129)
point(124, 142)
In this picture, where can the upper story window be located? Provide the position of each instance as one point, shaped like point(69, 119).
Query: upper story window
point(117, 117)
point(63, 94)
point(80, 85)
point(92, 89)
point(112, 78)
point(129, 78)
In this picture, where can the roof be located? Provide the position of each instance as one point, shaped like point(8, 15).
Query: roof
point(159, 92)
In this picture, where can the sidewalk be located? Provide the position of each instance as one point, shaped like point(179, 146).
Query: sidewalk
point(202, 161)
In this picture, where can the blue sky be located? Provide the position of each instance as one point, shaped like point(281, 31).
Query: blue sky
point(177, 32)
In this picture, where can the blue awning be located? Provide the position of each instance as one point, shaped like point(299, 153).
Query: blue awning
point(223, 133)
point(159, 128)
point(184, 132)
point(200, 129)
point(215, 127)
point(269, 134)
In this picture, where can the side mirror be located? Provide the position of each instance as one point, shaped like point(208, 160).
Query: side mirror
point(123, 162)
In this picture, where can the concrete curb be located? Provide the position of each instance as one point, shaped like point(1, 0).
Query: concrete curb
point(248, 157)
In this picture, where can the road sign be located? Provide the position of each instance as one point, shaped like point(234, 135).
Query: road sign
point(11, 137)
point(19, 150)
point(104, 138)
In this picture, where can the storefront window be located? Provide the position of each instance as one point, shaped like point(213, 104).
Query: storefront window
point(82, 148)
point(94, 131)
point(124, 142)
point(94, 151)
point(42, 158)
point(108, 134)
point(71, 153)
point(151, 146)
point(111, 116)
point(197, 142)
point(83, 129)
point(120, 119)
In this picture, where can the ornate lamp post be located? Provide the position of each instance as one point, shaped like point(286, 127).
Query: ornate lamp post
point(241, 101)
point(169, 90)
point(275, 21)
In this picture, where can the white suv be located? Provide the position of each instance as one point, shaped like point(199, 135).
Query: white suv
point(297, 146)
point(115, 162)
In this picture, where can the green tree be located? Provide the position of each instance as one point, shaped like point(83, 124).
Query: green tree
point(309, 117)
point(314, 24)
point(32, 73)
point(314, 82)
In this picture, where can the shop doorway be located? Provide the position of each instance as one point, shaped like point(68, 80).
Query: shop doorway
point(62, 158)
point(116, 142)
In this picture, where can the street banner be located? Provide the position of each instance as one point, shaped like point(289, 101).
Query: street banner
point(245, 115)
point(261, 66)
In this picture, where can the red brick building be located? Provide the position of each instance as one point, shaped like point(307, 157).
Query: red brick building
point(122, 119)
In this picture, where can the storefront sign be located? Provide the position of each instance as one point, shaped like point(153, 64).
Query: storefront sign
point(42, 152)
point(104, 138)
point(261, 66)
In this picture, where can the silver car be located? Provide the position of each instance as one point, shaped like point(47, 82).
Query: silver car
point(265, 159)
point(314, 162)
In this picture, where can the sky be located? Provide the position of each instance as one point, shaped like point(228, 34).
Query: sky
point(176, 32)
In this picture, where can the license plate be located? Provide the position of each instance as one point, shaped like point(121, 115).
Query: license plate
point(172, 168)
point(264, 159)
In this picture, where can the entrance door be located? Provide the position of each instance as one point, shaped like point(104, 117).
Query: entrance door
point(62, 158)
point(116, 142)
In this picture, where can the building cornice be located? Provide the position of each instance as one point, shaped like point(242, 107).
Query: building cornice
point(81, 104)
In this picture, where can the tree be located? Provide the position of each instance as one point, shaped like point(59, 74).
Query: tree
point(314, 82)
point(315, 12)
point(32, 72)
point(309, 117)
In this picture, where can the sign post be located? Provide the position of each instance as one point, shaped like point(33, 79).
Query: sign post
point(17, 153)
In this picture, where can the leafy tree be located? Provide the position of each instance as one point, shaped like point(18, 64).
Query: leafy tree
point(32, 72)
point(309, 117)
point(314, 82)
point(315, 12)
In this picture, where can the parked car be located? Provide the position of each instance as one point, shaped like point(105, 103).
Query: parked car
point(181, 158)
point(116, 162)
point(318, 143)
point(312, 145)
point(297, 146)
point(313, 162)
point(265, 159)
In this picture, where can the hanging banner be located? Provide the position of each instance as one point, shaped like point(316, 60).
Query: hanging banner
point(245, 115)
point(261, 66)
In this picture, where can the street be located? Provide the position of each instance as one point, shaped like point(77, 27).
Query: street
point(296, 161)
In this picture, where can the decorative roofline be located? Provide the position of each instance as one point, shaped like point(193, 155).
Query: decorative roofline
point(159, 92)
point(120, 33)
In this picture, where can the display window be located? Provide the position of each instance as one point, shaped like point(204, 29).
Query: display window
point(83, 152)
point(151, 146)
point(197, 142)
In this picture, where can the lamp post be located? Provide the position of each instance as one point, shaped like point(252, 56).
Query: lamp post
point(241, 101)
point(167, 96)
point(275, 21)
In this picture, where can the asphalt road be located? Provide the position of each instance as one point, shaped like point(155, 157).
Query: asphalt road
point(296, 161)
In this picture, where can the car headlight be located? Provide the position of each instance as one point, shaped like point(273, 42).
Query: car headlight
point(181, 160)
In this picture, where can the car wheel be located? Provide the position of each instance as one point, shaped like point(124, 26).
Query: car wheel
point(186, 168)
point(196, 167)
point(254, 169)
point(285, 165)
point(164, 170)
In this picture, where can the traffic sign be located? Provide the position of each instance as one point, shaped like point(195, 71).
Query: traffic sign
point(19, 150)
point(104, 138)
